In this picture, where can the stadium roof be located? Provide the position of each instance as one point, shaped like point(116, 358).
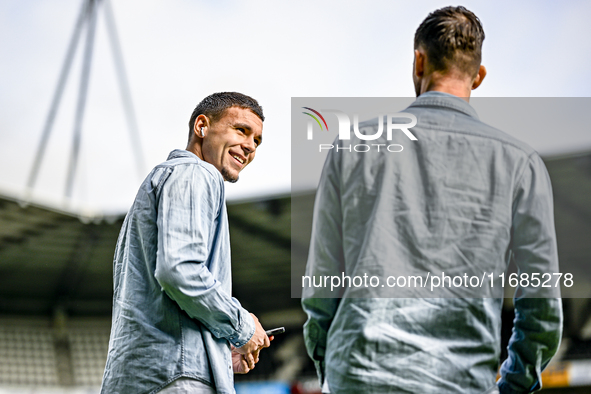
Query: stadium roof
point(51, 259)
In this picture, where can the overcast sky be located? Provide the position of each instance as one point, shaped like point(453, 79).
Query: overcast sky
point(177, 52)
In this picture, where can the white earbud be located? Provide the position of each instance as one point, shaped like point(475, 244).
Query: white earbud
point(202, 135)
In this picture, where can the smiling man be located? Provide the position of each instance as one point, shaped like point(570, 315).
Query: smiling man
point(231, 141)
point(176, 328)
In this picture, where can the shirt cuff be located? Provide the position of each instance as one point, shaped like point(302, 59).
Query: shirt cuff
point(244, 332)
point(506, 388)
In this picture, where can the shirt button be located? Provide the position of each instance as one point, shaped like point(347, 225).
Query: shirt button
point(238, 344)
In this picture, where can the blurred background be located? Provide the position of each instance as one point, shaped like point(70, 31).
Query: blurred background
point(94, 93)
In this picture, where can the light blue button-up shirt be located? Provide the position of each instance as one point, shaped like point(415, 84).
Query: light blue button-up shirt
point(173, 314)
point(462, 197)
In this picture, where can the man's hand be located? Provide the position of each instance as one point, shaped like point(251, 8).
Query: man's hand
point(258, 341)
point(239, 363)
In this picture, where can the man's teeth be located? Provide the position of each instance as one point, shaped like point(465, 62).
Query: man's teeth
point(239, 159)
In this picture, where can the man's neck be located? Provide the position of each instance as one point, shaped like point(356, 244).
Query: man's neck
point(195, 148)
point(450, 85)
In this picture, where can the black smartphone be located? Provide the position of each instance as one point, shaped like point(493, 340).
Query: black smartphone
point(275, 331)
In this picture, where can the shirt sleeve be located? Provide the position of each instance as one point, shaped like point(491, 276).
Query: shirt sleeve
point(325, 257)
point(189, 206)
point(537, 327)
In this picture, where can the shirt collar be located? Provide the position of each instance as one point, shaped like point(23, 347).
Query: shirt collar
point(441, 99)
point(175, 154)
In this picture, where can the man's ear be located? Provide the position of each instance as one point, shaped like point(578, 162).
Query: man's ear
point(201, 123)
point(419, 64)
point(479, 77)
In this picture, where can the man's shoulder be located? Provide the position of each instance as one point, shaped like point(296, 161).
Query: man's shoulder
point(464, 122)
point(182, 161)
point(485, 130)
point(183, 164)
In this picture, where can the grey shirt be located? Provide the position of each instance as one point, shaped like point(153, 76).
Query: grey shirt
point(462, 197)
point(173, 314)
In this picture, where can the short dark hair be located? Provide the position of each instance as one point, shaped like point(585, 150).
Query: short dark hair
point(452, 38)
point(214, 106)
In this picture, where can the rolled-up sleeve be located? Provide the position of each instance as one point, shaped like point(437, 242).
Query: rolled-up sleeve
point(189, 204)
point(537, 326)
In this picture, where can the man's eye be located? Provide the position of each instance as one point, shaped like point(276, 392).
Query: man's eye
point(242, 129)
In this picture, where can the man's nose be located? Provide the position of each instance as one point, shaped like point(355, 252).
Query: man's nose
point(249, 145)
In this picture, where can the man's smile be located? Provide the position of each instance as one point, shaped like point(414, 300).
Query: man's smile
point(239, 158)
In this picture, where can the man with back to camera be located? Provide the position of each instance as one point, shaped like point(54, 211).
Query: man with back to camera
point(462, 196)
point(176, 328)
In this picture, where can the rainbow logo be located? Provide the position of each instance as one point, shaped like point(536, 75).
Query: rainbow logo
point(316, 119)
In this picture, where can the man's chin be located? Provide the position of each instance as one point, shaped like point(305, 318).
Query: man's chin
point(229, 177)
